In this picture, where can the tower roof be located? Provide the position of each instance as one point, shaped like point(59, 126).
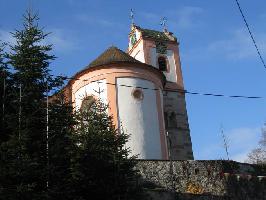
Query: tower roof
point(156, 35)
point(112, 55)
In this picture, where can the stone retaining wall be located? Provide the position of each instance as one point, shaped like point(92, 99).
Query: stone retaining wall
point(202, 180)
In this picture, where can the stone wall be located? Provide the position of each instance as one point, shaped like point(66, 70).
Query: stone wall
point(202, 180)
point(176, 122)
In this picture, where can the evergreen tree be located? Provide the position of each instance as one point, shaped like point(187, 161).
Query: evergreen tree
point(3, 87)
point(25, 154)
point(61, 123)
point(103, 168)
point(4, 110)
point(46, 153)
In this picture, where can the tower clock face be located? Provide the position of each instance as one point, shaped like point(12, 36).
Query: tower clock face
point(133, 39)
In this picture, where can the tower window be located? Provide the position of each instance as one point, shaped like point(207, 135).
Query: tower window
point(162, 63)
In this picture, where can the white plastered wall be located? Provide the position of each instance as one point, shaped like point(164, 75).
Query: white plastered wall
point(139, 118)
point(138, 52)
point(138, 34)
point(91, 89)
point(171, 75)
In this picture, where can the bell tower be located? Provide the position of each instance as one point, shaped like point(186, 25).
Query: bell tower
point(161, 50)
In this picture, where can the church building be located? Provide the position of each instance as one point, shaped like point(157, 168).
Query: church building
point(145, 93)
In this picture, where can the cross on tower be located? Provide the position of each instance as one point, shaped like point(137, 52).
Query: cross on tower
point(132, 16)
point(163, 22)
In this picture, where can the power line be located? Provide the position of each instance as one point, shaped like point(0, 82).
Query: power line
point(177, 91)
point(222, 95)
point(250, 33)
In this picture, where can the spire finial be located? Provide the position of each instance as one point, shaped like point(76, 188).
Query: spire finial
point(163, 23)
point(132, 16)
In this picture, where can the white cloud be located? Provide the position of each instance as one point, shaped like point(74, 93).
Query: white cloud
point(241, 157)
point(243, 135)
point(5, 36)
point(233, 46)
point(71, 2)
point(238, 45)
point(211, 151)
point(182, 18)
point(187, 17)
point(242, 141)
point(150, 17)
point(92, 20)
point(61, 40)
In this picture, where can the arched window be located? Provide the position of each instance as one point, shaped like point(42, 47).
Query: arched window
point(87, 102)
point(162, 63)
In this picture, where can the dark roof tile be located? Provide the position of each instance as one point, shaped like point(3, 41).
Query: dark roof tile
point(157, 35)
point(112, 55)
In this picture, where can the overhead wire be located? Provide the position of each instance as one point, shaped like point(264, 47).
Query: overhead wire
point(177, 91)
point(250, 33)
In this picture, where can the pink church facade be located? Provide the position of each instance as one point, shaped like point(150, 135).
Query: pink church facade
point(143, 89)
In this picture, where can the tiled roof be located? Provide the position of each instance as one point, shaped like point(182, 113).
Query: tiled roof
point(112, 55)
point(157, 35)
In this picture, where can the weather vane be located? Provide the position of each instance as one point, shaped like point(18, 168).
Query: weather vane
point(163, 22)
point(132, 16)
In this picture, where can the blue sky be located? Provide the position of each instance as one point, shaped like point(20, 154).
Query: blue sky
point(217, 55)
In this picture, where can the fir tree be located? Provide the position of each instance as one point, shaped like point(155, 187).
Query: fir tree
point(75, 158)
point(3, 87)
point(25, 154)
point(4, 109)
point(103, 168)
point(61, 123)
